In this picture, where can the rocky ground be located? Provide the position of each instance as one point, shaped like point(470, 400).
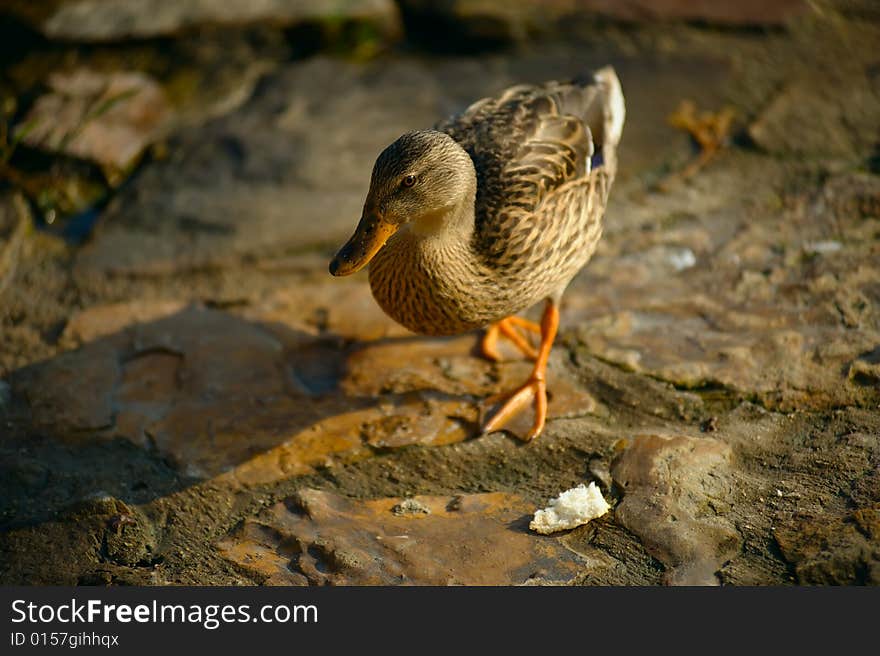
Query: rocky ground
point(187, 396)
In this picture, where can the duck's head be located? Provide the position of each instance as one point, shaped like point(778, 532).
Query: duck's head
point(419, 183)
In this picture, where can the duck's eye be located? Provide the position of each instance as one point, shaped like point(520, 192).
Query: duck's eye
point(409, 181)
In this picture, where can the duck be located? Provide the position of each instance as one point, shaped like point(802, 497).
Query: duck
point(488, 213)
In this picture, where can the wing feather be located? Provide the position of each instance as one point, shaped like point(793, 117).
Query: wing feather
point(531, 141)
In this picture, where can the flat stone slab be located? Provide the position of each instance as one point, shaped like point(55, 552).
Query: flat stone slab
point(676, 490)
point(776, 308)
point(268, 397)
point(320, 538)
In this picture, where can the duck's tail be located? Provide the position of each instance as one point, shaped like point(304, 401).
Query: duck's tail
point(597, 99)
point(613, 106)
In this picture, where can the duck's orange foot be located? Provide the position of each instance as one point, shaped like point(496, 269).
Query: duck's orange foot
point(508, 328)
point(533, 391)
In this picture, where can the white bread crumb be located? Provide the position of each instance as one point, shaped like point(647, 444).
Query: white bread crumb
point(570, 509)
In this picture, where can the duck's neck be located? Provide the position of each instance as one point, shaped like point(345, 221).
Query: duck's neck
point(442, 238)
point(441, 242)
point(454, 223)
point(428, 269)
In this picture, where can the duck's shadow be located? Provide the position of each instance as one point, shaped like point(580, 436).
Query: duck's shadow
point(201, 393)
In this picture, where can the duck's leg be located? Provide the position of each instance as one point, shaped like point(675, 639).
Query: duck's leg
point(508, 328)
point(534, 390)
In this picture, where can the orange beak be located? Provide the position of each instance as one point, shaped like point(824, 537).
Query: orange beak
point(371, 234)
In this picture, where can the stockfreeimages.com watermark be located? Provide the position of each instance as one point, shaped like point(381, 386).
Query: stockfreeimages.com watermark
point(209, 616)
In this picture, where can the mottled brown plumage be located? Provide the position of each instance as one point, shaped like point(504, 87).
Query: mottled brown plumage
point(494, 210)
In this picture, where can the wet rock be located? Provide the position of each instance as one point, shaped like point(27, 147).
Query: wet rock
point(203, 388)
point(388, 402)
point(105, 117)
point(103, 320)
point(342, 308)
point(53, 391)
point(157, 383)
point(266, 399)
point(323, 538)
point(420, 418)
point(760, 316)
point(448, 365)
point(675, 492)
point(113, 20)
